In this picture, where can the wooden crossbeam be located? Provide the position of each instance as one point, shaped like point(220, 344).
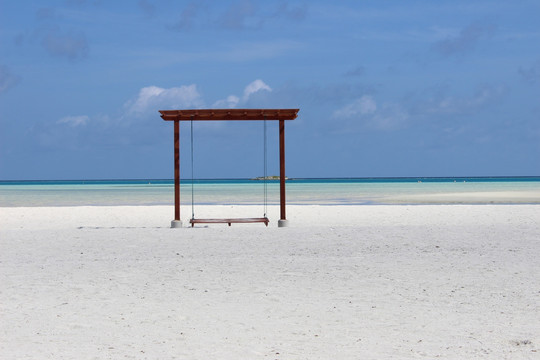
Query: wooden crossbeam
point(228, 114)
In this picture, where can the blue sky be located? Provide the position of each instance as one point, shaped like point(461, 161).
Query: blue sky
point(385, 88)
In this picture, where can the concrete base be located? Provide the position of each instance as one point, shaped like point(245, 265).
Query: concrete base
point(176, 224)
point(283, 223)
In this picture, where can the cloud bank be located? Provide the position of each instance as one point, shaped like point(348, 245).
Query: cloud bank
point(364, 112)
point(362, 106)
point(155, 98)
point(135, 122)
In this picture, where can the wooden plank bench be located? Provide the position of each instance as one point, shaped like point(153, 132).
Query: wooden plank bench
point(229, 221)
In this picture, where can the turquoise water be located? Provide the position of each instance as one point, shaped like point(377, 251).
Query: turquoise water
point(505, 190)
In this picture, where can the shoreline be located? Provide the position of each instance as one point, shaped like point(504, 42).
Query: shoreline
point(296, 197)
point(307, 204)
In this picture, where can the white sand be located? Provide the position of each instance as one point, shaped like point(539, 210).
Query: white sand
point(343, 282)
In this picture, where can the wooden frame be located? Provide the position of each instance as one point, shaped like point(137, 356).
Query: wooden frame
point(229, 115)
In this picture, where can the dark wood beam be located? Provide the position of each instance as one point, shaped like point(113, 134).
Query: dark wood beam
point(228, 114)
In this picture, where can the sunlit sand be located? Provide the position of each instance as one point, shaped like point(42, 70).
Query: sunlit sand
point(346, 282)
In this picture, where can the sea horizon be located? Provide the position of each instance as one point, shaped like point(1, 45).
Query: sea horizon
point(323, 179)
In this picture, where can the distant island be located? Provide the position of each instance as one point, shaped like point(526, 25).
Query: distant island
point(273, 177)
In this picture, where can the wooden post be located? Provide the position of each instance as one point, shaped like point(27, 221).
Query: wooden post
point(283, 216)
point(177, 170)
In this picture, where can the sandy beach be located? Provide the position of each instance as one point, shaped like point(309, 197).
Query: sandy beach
point(343, 282)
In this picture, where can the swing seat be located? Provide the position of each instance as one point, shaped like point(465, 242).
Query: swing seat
point(229, 221)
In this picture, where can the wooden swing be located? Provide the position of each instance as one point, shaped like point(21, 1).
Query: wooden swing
point(229, 115)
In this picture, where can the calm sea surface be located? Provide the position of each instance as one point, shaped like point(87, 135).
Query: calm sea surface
point(503, 190)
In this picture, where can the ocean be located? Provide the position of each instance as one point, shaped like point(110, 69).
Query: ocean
point(355, 191)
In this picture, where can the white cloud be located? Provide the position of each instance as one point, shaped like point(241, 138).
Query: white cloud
point(155, 98)
point(362, 106)
point(254, 87)
point(365, 113)
point(135, 121)
point(74, 121)
point(233, 101)
point(229, 103)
